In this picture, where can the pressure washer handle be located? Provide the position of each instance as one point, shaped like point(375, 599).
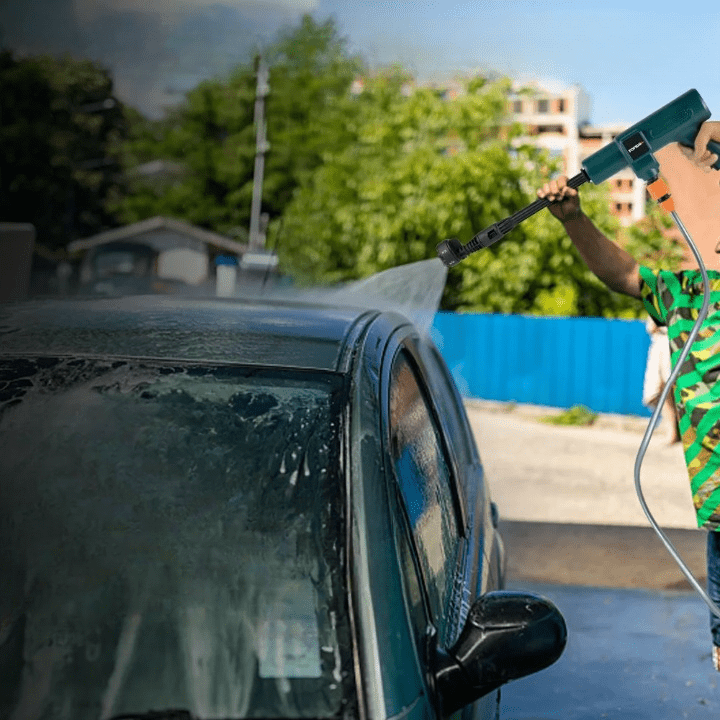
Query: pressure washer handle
point(712, 146)
point(451, 251)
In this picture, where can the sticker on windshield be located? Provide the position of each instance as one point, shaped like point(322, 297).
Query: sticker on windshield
point(288, 641)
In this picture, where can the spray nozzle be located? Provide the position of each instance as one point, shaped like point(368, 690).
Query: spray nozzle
point(451, 252)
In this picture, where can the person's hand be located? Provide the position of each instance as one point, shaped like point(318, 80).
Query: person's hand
point(564, 200)
point(701, 156)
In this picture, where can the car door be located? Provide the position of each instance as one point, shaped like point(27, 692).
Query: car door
point(431, 523)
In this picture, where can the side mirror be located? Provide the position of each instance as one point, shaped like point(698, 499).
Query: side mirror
point(507, 635)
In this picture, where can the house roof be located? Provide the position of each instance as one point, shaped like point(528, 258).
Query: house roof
point(159, 223)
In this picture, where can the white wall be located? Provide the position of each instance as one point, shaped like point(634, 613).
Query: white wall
point(184, 264)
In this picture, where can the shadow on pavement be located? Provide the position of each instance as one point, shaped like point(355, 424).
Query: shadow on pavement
point(638, 641)
point(634, 654)
point(615, 556)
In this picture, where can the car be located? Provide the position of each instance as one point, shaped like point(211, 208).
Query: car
point(218, 508)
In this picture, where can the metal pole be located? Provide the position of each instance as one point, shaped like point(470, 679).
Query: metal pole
point(261, 147)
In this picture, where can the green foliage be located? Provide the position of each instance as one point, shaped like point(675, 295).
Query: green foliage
point(648, 241)
point(576, 415)
point(356, 183)
point(536, 269)
point(419, 168)
point(207, 146)
point(210, 138)
point(56, 140)
point(423, 168)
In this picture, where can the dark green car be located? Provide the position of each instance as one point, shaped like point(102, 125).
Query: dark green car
point(224, 509)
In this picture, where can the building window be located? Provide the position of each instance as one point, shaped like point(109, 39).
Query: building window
point(518, 107)
point(561, 105)
point(542, 106)
point(558, 129)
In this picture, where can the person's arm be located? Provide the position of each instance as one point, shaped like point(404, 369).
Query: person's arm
point(607, 260)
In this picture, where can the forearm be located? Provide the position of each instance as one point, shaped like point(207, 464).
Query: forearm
point(608, 261)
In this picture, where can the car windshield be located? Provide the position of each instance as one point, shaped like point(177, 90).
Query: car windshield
point(171, 536)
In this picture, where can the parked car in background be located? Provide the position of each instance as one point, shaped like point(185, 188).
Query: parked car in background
point(230, 509)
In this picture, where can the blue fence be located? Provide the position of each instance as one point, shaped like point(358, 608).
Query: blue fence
point(559, 362)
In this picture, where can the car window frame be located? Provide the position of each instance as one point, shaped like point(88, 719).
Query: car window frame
point(416, 362)
point(453, 603)
point(440, 373)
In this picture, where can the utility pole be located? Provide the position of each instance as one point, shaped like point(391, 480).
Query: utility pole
point(257, 239)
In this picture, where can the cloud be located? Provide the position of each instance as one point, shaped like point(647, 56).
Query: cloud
point(88, 10)
point(156, 51)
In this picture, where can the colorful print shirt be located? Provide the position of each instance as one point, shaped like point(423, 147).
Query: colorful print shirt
point(674, 299)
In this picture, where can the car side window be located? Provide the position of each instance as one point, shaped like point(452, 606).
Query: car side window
point(423, 475)
point(417, 607)
point(451, 406)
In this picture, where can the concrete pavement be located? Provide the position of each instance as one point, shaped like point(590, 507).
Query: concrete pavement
point(548, 473)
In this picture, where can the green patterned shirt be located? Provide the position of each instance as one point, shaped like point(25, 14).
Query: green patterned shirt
point(674, 299)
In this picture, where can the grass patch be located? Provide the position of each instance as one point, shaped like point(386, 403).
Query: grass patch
point(576, 415)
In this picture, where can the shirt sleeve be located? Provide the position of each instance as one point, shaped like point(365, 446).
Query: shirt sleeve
point(651, 296)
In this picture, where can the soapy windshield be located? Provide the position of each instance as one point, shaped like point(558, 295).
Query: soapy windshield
point(170, 537)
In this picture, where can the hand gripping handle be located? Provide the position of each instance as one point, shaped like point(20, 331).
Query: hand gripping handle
point(713, 147)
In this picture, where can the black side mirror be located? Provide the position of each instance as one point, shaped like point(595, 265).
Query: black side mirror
point(507, 635)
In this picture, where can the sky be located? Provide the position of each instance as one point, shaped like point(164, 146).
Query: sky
point(631, 58)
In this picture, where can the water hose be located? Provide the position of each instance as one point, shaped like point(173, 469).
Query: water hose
point(663, 200)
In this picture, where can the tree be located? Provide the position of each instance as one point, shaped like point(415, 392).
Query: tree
point(655, 241)
point(424, 168)
point(388, 196)
point(211, 136)
point(537, 270)
point(207, 145)
point(58, 122)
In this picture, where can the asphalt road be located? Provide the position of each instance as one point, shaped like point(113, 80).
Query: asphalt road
point(568, 505)
point(630, 655)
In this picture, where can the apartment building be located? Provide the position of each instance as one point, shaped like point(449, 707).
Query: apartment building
point(558, 119)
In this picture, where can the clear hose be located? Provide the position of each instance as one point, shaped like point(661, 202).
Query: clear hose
point(656, 415)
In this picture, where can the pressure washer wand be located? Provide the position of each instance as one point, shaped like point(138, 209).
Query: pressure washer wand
point(451, 251)
point(679, 121)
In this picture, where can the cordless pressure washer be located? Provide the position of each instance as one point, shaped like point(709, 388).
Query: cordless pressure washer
point(678, 121)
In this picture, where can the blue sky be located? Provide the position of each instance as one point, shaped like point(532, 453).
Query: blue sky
point(631, 58)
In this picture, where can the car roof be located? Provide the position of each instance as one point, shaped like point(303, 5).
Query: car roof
point(264, 333)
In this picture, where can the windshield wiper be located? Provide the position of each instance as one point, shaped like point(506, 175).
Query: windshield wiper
point(172, 714)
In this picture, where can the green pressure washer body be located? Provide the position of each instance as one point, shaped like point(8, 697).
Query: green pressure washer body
point(678, 121)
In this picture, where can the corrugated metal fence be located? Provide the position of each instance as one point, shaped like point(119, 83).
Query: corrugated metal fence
point(559, 362)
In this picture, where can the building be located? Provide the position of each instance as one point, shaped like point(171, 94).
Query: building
point(158, 255)
point(558, 120)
